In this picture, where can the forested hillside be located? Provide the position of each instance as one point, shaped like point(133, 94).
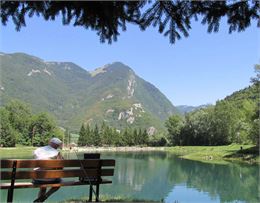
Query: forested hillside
point(234, 119)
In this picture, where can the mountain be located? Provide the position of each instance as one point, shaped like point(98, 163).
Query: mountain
point(186, 109)
point(113, 94)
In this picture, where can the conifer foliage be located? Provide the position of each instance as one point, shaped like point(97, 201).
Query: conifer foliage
point(109, 136)
point(172, 18)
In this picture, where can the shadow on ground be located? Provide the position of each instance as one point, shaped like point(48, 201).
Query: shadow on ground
point(246, 154)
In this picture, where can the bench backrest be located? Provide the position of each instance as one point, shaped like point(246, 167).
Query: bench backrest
point(25, 169)
point(91, 155)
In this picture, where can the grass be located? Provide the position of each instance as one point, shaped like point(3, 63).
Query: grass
point(110, 199)
point(19, 152)
point(218, 154)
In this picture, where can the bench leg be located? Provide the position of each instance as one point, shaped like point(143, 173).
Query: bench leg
point(97, 193)
point(90, 193)
point(10, 195)
point(11, 189)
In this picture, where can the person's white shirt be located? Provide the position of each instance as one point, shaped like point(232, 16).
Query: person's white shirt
point(46, 152)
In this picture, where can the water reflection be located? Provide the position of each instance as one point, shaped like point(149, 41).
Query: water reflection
point(154, 175)
point(160, 175)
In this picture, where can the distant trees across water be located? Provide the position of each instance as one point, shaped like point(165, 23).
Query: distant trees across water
point(233, 120)
point(108, 136)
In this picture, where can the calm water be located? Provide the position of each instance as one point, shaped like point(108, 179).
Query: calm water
point(162, 176)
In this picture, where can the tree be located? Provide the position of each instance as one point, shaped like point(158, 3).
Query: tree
point(126, 137)
point(174, 125)
point(256, 80)
point(20, 126)
point(255, 130)
point(136, 138)
point(96, 136)
point(7, 133)
point(82, 136)
point(224, 124)
point(157, 140)
point(117, 140)
point(43, 127)
point(172, 18)
point(106, 135)
point(254, 134)
point(89, 136)
point(145, 137)
point(129, 136)
point(20, 118)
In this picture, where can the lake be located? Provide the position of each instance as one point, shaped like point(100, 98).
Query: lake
point(163, 176)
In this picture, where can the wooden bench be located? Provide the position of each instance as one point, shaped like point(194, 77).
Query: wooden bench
point(91, 170)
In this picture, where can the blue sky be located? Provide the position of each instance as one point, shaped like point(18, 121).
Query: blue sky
point(200, 69)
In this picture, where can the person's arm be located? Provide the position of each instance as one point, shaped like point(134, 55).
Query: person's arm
point(35, 156)
point(59, 156)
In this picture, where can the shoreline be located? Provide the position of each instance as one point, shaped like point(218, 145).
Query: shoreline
point(115, 149)
point(208, 154)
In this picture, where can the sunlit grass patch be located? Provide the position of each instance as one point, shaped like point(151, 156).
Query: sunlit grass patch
point(16, 152)
point(217, 154)
point(106, 198)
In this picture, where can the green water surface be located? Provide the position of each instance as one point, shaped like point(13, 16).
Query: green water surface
point(164, 177)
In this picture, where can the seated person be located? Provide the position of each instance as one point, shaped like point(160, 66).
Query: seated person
point(47, 152)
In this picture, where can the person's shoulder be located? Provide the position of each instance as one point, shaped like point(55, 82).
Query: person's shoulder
point(41, 148)
point(37, 151)
point(49, 148)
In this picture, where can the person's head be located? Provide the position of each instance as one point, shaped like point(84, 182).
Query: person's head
point(55, 143)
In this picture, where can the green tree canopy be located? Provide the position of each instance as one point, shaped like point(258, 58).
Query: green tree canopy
point(43, 127)
point(20, 118)
point(171, 18)
point(19, 126)
point(174, 125)
point(7, 133)
point(82, 136)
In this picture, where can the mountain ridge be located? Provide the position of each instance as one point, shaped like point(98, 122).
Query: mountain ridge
point(187, 108)
point(113, 93)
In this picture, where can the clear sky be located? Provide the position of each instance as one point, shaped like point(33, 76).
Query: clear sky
point(200, 69)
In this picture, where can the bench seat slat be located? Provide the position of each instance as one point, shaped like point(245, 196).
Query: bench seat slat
point(63, 183)
point(62, 173)
point(57, 163)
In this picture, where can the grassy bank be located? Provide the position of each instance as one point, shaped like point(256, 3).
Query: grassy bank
point(16, 152)
point(218, 154)
point(110, 199)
